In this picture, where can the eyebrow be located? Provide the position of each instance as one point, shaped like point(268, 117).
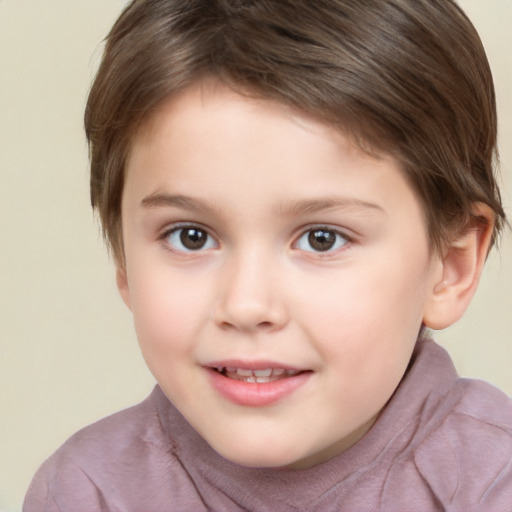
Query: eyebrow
point(331, 202)
point(159, 200)
point(302, 207)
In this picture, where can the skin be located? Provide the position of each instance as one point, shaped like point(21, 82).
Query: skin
point(256, 178)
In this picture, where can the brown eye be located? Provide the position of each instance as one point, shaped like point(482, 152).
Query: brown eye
point(190, 238)
point(321, 240)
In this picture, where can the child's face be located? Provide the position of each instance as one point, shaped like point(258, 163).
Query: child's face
point(259, 239)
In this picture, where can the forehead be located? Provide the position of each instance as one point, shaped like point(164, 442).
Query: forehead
point(208, 107)
point(226, 102)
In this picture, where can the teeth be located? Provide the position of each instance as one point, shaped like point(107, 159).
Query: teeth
point(263, 373)
point(260, 376)
point(243, 372)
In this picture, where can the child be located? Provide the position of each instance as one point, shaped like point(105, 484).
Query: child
point(293, 192)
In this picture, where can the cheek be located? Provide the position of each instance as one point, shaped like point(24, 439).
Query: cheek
point(369, 312)
point(167, 311)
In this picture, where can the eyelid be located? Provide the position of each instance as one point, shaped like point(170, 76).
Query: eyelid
point(344, 232)
point(173, 226)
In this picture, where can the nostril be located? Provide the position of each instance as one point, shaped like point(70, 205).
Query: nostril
point(227, 325)
point(265, 325)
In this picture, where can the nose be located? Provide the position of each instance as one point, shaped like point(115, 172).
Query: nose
point(250, 295)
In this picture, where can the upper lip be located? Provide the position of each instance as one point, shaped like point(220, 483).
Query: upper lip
point(251, 365)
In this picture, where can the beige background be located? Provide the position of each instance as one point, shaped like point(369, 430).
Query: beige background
point(68, 353)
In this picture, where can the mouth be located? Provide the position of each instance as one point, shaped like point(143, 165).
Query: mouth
point(256, 384)
point(262, 376)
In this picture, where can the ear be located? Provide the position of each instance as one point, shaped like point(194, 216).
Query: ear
point(122, 285)
point(459, 270)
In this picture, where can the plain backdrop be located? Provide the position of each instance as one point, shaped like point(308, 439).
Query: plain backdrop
point(68, 352)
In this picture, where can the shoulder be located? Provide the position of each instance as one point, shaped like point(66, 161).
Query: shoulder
point(109, 462)
point(110, 440)
point(466, 453)
point(483, 403)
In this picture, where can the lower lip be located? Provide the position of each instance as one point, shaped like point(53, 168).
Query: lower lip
point(254, 394)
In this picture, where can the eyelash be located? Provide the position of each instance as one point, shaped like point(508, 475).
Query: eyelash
point(210, 241)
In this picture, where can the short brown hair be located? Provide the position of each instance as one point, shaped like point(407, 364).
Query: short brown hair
point(406, 77)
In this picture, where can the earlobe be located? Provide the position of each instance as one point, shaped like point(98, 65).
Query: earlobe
point(461, 266)
point(122, 286)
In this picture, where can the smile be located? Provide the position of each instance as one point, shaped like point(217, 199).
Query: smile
point(256, 376)
point(260, 386)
